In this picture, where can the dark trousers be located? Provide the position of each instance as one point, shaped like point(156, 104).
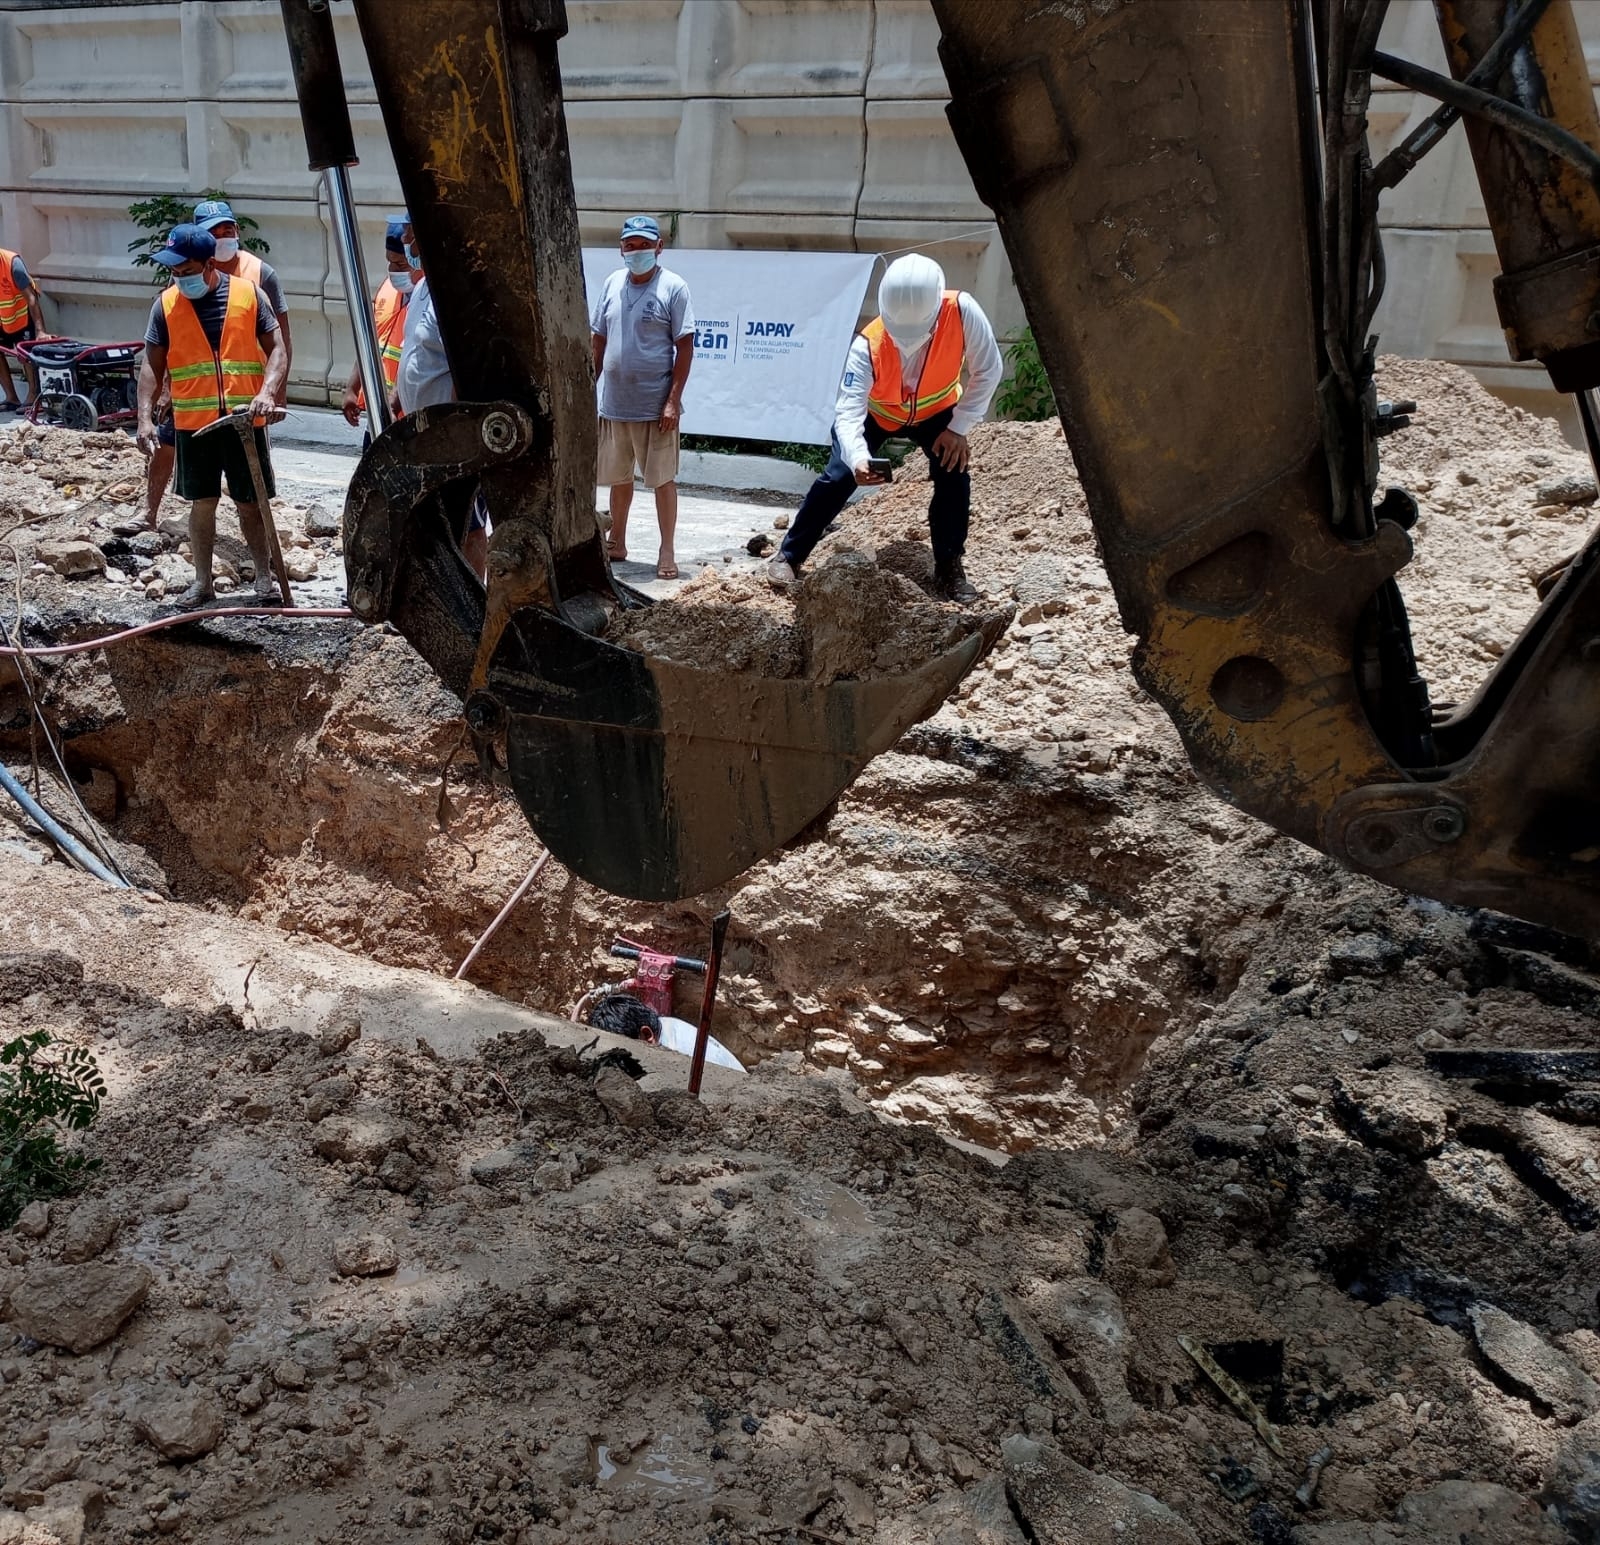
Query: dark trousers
point(949, 510)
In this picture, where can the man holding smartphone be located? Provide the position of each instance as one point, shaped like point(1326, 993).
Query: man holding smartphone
point(903, 379)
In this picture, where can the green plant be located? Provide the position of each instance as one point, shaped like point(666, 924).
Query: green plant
point(1026, 393)
point(45, 1090)
point(157, 216)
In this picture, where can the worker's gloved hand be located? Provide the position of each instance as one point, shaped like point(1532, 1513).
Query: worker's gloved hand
point(148, 439)
point(951, 449)
point(866, 477)
point(352, 408)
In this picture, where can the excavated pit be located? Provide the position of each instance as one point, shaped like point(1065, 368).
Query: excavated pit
point(620, 1315)
point(1000, 918)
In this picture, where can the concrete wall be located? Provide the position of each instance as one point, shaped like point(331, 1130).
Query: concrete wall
point(787, 124)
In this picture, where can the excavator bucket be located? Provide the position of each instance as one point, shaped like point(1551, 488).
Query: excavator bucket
point(643, 776)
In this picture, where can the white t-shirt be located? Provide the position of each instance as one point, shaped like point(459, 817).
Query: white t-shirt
point(679, 1035)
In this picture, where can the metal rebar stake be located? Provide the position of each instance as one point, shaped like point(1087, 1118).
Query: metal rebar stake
point(347, 238)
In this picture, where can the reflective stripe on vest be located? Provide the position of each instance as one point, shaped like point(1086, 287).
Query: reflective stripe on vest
point(389, 308)
point(895, 403)
point(209, 383)
point(13, 302)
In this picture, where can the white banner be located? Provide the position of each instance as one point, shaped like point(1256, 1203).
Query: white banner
point(771, 333)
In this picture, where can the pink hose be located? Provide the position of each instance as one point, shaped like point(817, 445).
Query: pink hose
point(34, 652)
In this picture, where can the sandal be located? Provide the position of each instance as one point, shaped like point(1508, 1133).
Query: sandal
point(666, 571)
point(614, 556)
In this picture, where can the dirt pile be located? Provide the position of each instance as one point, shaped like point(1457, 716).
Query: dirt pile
point(334, 1285)
point(851, 618)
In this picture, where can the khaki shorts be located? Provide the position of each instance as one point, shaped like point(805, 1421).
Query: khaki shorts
point(625, 446)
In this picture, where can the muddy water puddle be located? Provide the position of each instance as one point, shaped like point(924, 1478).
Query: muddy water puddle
point(663, 1469)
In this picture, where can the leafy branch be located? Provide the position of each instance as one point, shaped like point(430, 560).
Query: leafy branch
point(1026, 393)
point(45, 1091)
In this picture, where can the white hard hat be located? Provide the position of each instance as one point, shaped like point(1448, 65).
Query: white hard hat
point(909, 295)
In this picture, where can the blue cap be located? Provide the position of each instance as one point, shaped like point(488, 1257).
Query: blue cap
point(187, 244)
point(394, 236)
point(212, 211)
point(400, 217)
point(641, 225)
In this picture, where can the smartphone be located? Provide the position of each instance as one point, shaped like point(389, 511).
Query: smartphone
point(882, 466)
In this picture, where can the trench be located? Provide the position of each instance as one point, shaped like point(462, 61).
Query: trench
point(972, 935)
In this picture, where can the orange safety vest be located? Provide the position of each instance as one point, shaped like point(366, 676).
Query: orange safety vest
point(895, 403)
point(249, 267)
point(13, 302)
point(207, 383)
point(389, 311)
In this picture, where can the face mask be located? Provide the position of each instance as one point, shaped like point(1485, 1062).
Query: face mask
point(414, 260)
point(192, 286)
point(640, 262)
point(401, 281)
point(227, 248)
point(908, 343)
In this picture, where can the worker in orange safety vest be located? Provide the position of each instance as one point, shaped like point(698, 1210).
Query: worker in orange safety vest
point(902, 380)
point(20, 319)
point(217, 218)
point(215, 339)
point(390, 307)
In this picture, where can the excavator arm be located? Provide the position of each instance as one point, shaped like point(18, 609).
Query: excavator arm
point(1185, 191)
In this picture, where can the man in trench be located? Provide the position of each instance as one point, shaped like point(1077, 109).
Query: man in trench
point(216, 338)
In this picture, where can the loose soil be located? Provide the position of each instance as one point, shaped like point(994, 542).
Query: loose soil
point(779, 1315)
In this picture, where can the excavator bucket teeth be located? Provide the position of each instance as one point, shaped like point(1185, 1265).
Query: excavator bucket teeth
point(658, 781)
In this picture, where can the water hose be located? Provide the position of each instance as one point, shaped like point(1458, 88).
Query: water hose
point(56, 832)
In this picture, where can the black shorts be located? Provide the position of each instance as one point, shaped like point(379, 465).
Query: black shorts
point(203, 461)
point(25, 335)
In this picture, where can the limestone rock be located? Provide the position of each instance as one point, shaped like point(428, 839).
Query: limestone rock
point(320, 521)
point(980, 1515)
point(180, 1423)
point(1056, 1499)
point(1572, 488)
point(1398, 1109)
point(89, 1230)
point(1531, 1365)
point(355, 1139)
point(170, 1201)
point(628, 1103)
point(1365, 954)
point(1138, 1249)
point(78, 1307)
point(71, 558)
point(365, 1255)
point(300, 564)
point(34, 1220)
point(1084, 1322)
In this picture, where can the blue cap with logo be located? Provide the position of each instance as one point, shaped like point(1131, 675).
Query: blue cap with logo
point(641, 225)
point(186, 244)
point(212, 212)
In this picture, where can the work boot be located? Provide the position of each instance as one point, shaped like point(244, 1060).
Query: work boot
point(781, 574)
point(950, 581)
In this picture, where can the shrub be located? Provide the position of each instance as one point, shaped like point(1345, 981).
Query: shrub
point(45, 1091)
point(1026, 392)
